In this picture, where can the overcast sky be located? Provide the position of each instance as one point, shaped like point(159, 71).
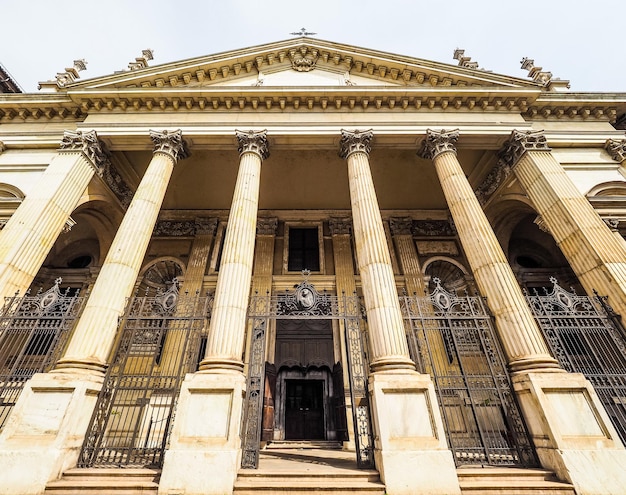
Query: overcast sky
point(579, 40)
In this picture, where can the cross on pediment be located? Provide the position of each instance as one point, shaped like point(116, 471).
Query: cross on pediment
point(302, 32)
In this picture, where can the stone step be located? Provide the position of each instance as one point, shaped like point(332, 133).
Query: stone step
point(299, 444)
point(295, 486)
point(511, 481)
point(106, 481)
point(349, 476)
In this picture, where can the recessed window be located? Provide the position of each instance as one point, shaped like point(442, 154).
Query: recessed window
point(80, 262)
point(527, 262)
point(304, 249)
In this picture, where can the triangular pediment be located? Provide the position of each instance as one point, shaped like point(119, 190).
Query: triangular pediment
point(303, 62)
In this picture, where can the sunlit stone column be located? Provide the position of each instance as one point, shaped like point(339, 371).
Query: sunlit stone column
point(31, 232)
point(521, 339)
point(403, 237)
point(387, 336)
point(228, 322)
point(93, 337)
point(597, 257)
point(409, 447)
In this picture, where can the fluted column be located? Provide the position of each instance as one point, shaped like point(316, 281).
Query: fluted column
point(199, 255)
point(403, 237)
point(387, 336)
point(520, 336)
point(94, 334)
point(597, 257)
point(228, 322)
point(29, 234)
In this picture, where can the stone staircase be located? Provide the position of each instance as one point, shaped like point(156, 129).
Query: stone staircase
point(106, 481)
point(511, 481)
point(306, 468)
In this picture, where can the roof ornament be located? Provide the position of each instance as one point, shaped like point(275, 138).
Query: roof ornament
point(302, 32)
point(543, 77)
point(70, 75)
point(142, 62)
point(463, 60)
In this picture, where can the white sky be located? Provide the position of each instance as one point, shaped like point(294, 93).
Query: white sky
point(574, 39)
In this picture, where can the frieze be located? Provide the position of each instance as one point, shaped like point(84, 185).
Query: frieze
point(438, 142)
point(117, 184)
point(88, 143)
point(354, 141)
point(175, 228)
point(205, 226)
point(401, 226)
point(519, 143)
point(253, 142)
point(492, 182)
point(437, 247)
point(340, 226)
point(428, 228)
point(171, 143)
point(615, 147)
point(266, 226)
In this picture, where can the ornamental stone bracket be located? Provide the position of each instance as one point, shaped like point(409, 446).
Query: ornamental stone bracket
point(170, 143)
point(355, 141)
point(340, 226)
point(437, 143)
point(87, 142)
point(492, 182)
point(303, 60)
point(612, 223)
point(266, 226)
point(616, 148)
point(519, 143)
point(253, 142)
point(2, 147)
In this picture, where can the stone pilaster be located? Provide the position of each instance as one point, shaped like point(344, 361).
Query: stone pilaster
point(228, 322)
point(401, 229)
point(398, 393)
point(389, 349)
point(597, 257)
point(93, 337)
point(199, 255)
point(523, 343)
point(205, 445)
point(28, 236)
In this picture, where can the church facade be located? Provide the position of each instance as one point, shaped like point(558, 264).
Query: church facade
point(419, 263)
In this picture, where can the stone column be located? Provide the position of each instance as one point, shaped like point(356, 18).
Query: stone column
point(409, 447)
point(228, 322)
point(401, 228)
point(521, 339)
point(29, 235)
point(205, 444)
point(594, 253)
point(572, 433)
point(199, 255)
point(93, 337)
point(44, 434)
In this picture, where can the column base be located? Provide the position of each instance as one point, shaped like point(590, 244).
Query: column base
point(410, 447)
point(205, 448)
point(45, 431)
point(571, 431)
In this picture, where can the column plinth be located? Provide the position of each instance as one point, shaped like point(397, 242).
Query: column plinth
point(226, 337)
point(28, 236)
point(93, 337)
point(522, 341)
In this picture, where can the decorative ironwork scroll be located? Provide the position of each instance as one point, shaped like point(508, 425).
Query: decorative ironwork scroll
point(160, 340)
point(451, 337)
point(33, 330)
point(305, 302)
point(585, 335)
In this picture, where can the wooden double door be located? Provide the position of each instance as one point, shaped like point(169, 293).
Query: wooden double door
point(304, 410)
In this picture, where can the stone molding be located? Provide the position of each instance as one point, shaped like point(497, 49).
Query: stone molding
point(170, 143)
point(401, 226)
point(438, 142)
point(87, 142)
point(355, 141)
point(266, 226)
point(340, 226)
point(615, 147)
point(205, 225)
point(253, 142)
point(519, 143)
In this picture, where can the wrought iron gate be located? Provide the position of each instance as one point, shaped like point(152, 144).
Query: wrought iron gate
point(307, 302)
point(33, 332)
point(581, 333)
point(159, 342)
point(451, 337)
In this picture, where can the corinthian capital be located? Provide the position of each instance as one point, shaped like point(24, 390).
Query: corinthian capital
point(438, 142)
point(615, 147)
point(253, 142)
point(171, 143)
point(352, 142)
point(266, 226)
point(87, 142)
point(340, 226)
point(519, 143)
